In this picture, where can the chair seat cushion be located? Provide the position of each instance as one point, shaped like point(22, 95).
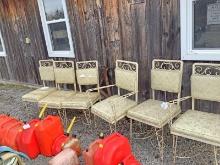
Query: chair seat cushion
point(151, 113)
point(199, 126)
point(81, 100)
point(36, 95)
point(54, 99)
point(104, 109)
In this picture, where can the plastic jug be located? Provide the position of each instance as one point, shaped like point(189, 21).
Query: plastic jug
point(46, 132)
point(112, 150)
point(88, 154)
point(11, 136)
point(130, 160)
point(26, 140)
point(4, 118)
point(4, 128)
point(67, 141)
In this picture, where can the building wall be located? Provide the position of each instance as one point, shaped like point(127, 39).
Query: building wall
point(137, 30)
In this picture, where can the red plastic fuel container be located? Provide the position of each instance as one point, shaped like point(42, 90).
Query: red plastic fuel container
point(4, 118)
point(112, 150)
point(26, 140)
point(4, 128)
point(46, 132)
point(88, 154)
point(58, 144)
point(12, 134)
point(130, 160)
point(66, 141)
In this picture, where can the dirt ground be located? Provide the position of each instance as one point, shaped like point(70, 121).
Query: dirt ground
point(144, 149)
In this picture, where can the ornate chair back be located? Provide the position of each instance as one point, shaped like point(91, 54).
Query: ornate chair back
point(87, 73)
point(205, 82)
point(126, 76)
point(166, 75)
point(64, 73)
point(46, 70)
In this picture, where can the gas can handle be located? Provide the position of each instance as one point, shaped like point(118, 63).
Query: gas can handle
point(42, 111)
point(71, 125)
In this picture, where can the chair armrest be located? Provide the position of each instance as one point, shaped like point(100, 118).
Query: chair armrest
point(121, 98)
point(179, 100)
point(103, 87)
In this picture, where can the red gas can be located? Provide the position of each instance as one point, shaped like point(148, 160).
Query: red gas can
point(4, 128)
point(11, 136)
point(67, 141)
point(58, 144)
point(4, 118)
point(26, 140)
point(46, 132)
point(88, 154)
point(130, 160)
point(112, 150)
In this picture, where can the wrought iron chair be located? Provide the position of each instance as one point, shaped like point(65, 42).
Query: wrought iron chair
point(166, 76)
point(46, 70)
point(197, 125)
point(87, 74)
point(64, 75)
point(115, 107)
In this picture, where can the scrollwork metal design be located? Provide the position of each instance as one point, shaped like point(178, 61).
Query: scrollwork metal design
point(167, 65)
point(87, 65)
point(46, 63)
point(127, 66)
point(207, 70)
point(63, 64)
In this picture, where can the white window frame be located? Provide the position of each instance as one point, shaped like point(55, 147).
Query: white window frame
point(187, 51)
point(2, 53)
point(51, 52)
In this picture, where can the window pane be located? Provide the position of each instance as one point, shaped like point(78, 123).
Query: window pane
point(53, 9)
point(206, 24)
point(1, 46)
point(59, 37)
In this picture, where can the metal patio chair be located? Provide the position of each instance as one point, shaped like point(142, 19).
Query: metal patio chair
point(197, 125)
point(64, 75)
point(47, 74)
point(87, 74)
point(166, 76)
point(115, 107)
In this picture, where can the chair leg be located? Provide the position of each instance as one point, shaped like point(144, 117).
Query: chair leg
point(160, 141)
point(87, 115)
point(175, 139)
point(63, 115)
point(215, 154)
point(131, 126)
point(113, 127)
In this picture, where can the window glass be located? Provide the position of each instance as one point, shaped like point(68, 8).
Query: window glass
point(59, 36)
point(53, 9)
point(206, 24)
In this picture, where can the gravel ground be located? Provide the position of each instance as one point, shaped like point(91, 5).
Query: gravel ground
point(144, 150)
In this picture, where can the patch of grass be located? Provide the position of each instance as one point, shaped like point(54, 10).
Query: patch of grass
point(11, 86)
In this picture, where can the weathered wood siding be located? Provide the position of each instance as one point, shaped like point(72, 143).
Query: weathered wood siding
point(137, 30)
